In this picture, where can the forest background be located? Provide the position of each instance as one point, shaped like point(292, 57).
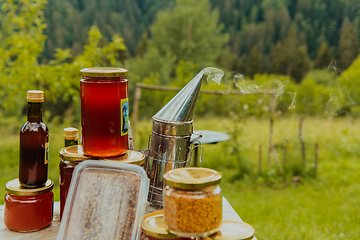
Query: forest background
point(307, 51)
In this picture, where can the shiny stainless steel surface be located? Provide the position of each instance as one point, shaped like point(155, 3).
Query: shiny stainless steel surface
point(170, 145)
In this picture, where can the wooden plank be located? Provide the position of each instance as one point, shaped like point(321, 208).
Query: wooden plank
point(51, 231)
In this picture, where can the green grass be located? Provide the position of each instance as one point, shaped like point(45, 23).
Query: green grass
point(321, 207)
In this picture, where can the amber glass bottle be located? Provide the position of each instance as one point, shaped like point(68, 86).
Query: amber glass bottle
point(34, 144)
point(71, 136)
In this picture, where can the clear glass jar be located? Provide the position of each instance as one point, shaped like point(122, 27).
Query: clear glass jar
point(28, 210)
point(193, 202)
point(104, 111)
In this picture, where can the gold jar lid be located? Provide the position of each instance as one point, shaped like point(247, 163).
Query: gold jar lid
point(36, 96)
point(74, 153)
point(154, 226)
point(71, 133)
point(104, 72)
point(14, 187)
point(234, 230)
point(192, 178)
point(131, 157)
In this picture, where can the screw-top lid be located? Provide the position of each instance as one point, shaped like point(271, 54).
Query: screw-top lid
point(104, 72)
point(35, 96)
point(154, 226)
point(74, 153)
point(131, 156)
point(192, 178)
point(71, 133)
point(14, 187)
point(234, 230)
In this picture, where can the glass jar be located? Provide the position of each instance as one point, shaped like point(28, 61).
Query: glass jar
point(28, 210)
point(193, 201)
point(234, 230)
point(153, 228)
point(104, 111)
point(70, 157)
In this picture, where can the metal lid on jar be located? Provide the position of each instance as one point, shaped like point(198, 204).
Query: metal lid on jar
point(71, 133)
point(234, 230)
point(154, 226)
point(36, 96)
point(74, 153)
point(131, 157)
point(14, 187)
point(104, 72)
point(192, 177)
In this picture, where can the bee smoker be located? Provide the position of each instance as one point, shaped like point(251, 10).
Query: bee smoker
point(170, 145)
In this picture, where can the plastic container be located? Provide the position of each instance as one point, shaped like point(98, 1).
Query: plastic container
point(193, 202)
point(28, 210)
point(153, 228)
point(231, 230)
point(106, 200)
point(70, 157)
point(104, 111)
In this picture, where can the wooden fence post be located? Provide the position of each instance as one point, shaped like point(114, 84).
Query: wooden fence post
point(302, 142)
point(136, 108)
point(260, 158)
point(316, 158)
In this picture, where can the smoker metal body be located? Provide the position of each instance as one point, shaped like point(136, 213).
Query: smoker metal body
point(170, 145)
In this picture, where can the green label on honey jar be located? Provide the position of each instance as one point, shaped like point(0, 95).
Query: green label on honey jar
point(124, 116)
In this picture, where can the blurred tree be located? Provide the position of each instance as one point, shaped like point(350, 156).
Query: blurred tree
point(142, 46)
point(254, 64)
point(323, 56)
point(348, 48)
point(290, 58)
point(189, 32)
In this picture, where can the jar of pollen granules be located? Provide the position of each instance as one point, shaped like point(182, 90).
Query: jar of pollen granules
point(28, 209)
point(153, 228)
point(192, 202)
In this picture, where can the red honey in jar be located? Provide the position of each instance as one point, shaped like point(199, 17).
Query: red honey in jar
point(28, 210)
point(104, 111)
point(70, 157)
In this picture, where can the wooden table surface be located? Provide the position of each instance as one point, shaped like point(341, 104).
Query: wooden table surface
point(51, 231)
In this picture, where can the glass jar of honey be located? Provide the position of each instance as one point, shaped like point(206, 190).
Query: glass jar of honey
point(28, 210)
point(70, 157)
point(153, 228)
point(192, 201)
point(104, 111)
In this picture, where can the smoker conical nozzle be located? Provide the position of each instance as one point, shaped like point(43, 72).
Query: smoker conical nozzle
point(181, 107)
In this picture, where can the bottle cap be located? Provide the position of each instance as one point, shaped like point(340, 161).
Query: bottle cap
point(14, 187)
point(35, 96)
point(191, 178)
point(71, 133)
point(104, 72)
